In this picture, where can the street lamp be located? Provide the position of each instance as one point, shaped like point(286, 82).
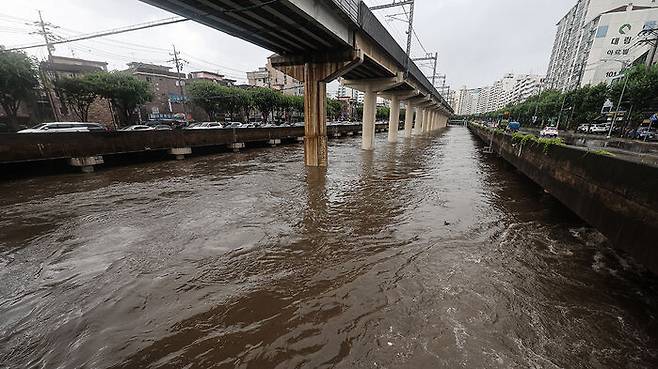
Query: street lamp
point(625, 64)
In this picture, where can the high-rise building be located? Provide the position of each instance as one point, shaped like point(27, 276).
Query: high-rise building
point(526, 85)
point(581, 29)
point(511, 89)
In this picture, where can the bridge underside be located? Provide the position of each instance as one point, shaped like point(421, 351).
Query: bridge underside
point(317, 41)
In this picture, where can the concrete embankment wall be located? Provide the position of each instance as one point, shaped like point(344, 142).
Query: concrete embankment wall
point(618, 197)
point(33, 147)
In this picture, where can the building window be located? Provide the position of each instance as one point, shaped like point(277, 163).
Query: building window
point(602, 32)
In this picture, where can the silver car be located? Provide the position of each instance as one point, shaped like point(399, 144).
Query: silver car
point(63, 127)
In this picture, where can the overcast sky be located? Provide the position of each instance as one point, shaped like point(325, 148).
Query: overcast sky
point(477, 40)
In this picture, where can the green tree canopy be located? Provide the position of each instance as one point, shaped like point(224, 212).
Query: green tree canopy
point(79, 93)
point(334, 108)
point(206, 95)
point(265, 100)
point(124, 91)
point(18, 81)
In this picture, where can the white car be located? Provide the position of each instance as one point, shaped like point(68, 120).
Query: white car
point(207, 125)
point(549, 132)
point(234, 125)
point(599, 128)
point(62, 127)
point(138, 128)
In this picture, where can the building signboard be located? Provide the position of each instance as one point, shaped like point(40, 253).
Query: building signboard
point(616, 42)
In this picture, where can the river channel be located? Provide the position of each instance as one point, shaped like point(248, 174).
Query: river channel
point(425, 254)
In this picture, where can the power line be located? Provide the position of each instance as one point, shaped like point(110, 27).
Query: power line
point(107, 33)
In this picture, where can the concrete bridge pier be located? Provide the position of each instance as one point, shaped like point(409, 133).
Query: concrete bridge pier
point(395, 97)
point(369, 115)
point(394, 119)
point(418, 126)
point(427, 121)
point(433, 126)
point(371, 87)
point(408, 118)
point(315, 71)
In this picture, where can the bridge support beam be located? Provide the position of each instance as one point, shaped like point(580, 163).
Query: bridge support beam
point(315, 71)
point(369, 112)
point(408, 118)
point(432, 126)
point(418, 127)
point(394, 120)
point(371, 87)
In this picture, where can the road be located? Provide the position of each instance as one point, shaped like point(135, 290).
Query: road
point(424, 254)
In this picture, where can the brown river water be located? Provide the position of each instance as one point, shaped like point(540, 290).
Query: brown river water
point(424, 254)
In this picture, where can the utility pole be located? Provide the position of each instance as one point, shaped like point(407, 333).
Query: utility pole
point(410, 18)
point(430, 57)
point(624, 68)
point(179, 67)
point(44, 30)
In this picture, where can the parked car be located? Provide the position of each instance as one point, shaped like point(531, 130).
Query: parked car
point(207, 125)
point(138, 127)
point(513, 126)
point(599, 128)
point(583, 128)
point(549, 132)
point(163, 127)
point(234, 125)
point(61, 127)
point(646, 134)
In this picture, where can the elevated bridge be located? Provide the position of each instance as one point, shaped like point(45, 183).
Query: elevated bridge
point(318, 41)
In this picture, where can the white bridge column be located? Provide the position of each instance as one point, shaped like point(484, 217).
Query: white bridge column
point(394, 120)
point(408, 118)
point(426, 120)
point(418, 128)
point(369, 113)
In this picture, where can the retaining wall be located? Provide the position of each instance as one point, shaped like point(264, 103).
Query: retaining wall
point(33, 147)
point(618, 197)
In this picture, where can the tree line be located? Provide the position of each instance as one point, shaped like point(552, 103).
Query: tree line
point(20, 83)
point(584, 105)
point(219, 101)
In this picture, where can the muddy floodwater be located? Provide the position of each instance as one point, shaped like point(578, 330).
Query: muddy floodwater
point(425, 254)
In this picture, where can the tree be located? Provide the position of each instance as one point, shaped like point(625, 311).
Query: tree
point(641, 91)
point(265, 100)
point(334, 108)
point(382, 113)
point(18, 80)
point(79, 93)
point(240, 102)
point(204, 94)
point(124, 91)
